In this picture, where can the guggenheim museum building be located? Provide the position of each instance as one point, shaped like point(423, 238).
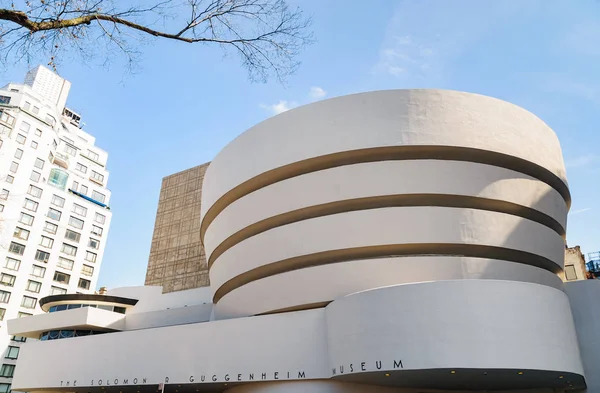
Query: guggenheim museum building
point(401, 241)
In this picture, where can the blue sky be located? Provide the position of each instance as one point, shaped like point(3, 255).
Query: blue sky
point(186, 102)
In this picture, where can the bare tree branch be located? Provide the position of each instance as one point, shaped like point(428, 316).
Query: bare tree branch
point(267, 34)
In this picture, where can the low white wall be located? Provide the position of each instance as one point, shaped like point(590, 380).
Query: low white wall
point(465, 324)
point(584, 297)
point(274, 345)
point(171, 317)
point(481, 324)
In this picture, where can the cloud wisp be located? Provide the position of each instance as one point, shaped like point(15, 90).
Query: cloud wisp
point(279, 107)
point(315, 93)
point(578, 211)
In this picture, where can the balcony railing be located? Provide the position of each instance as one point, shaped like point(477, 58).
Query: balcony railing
point(61, 160)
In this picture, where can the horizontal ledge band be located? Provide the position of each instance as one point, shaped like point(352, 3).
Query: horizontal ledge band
point(387, 153)
point(384, 251)
point(378, 202)
point(300, 307)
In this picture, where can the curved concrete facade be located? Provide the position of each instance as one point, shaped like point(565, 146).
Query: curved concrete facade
point(394, 241)
point(341, 186)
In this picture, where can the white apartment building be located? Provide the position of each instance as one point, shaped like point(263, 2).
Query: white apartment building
point(53, 203)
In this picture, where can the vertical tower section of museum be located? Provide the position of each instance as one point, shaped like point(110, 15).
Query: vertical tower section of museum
point(378, 189)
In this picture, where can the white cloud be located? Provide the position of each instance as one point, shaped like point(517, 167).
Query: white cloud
point(405, 55)
point(580, 211)
point(426, 49)
point(581, 161)
point(317, 92)
point(280, 107)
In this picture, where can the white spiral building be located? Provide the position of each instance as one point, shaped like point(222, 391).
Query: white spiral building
point(405, 238)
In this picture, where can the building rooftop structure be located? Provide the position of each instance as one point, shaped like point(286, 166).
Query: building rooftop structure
point(399, 241)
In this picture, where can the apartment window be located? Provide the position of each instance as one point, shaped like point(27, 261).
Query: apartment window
point(93, 243)
point(78, 209)
point(20, 139)
point(4, 296)
point(54, 144)
point(30, 205)
point(34, 191)
point(22, 314)
point(2, 313)
point(50, 120)
point(14, 166)
point(39, 163)
point(84, 284)
point(7, 279)
point(90, 256)
point(81, 168)
point(96, 230)
point(83, 190)
point(4, 387)
point(50, 227)
point(68, 249)
point(99, 218)
point(26, 219)
point(93, 155)
point(34, 145)
point(28, 302)
point(54, 214)
point(18, 154)
point(38, 271)
point(16, 248)
point(75, 222)
point(97, 176)
point(75, 186)
point(72, 235)
point(38, 132)
point(63, 278)
point(65, 263)
point(21, 233)
point(36, 110)
point(33, 286)
point(57, 201)
point(570, 273)
point(98, 196)
point(12, 264)
point(42, 256)
point(35, 176)
point(27, 105)
point(4, 194)
point(46, 242)
point(1, 208)
point(58, 178)
point(10, 179)
point(87, 270)
point(57, 291)
point(25, 127)
point(7, 370)
point(70, 150)
point(12, 352)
